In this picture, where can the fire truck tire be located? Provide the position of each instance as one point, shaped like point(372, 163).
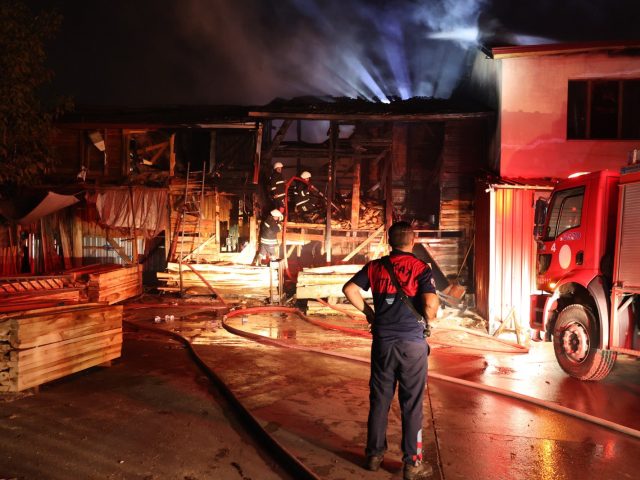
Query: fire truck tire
point(575, 340)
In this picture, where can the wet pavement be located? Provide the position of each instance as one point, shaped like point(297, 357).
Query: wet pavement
point(317, 405)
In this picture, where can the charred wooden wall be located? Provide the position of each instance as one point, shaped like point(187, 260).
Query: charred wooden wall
point(72, 149)
point(464, 154)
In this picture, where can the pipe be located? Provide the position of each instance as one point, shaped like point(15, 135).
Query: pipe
point(480, 386)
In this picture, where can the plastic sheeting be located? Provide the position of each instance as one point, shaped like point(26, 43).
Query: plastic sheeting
point(149, 215)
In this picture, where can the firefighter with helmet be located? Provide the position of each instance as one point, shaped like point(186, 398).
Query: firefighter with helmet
point(302, 201)
point(269, 230)
point(276, 187)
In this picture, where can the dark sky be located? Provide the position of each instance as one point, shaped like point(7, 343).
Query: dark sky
point(161, 52)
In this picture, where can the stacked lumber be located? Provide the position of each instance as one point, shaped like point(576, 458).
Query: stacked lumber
point(114, 285)
point(28, 290)
point(38, 346)
point(325, 282)
point(225, 278)
point(456, 215)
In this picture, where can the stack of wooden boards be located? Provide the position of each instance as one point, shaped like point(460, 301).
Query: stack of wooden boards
point(325, 282)
point(226, 279)
point(37, 346)
point(115, 285)
point(28, 290)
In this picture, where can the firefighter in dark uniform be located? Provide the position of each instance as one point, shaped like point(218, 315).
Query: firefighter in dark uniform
point(399, 350)
point(269, 230)
point(303, 203)
point(276, 187)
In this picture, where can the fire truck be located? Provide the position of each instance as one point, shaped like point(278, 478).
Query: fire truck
point(588, 271)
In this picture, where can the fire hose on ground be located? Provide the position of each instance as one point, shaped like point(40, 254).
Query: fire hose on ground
point(499, 391)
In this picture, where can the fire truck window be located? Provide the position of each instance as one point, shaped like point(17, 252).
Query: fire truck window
point(565, 212)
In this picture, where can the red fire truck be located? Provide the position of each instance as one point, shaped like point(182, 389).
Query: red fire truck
point(588, 271)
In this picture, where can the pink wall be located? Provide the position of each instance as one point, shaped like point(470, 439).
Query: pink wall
point(533, 115)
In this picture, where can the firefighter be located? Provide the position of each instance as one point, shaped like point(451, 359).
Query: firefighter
point(276, 187)
point(269, 230)
point(303, 203)
point(399, 325)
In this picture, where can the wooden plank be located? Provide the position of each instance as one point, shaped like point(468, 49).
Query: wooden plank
point(324, 291)
point(119, 250)
point(369, 239)
point(27, 360)
point(82, 362)
point(355, 194)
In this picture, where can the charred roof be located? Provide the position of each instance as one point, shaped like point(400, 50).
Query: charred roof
point(311, 108)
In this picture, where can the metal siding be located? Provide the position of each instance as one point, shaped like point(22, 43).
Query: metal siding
point(628, 251)
point(481, 249)
point(512, 279)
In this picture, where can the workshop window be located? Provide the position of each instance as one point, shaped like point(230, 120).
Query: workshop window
point(603, 109)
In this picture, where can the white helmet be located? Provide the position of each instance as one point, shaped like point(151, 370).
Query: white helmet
point(277, 165)
point(276, 213)
point(305, 175)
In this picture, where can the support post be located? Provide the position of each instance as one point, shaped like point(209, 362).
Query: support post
point(333, 140)
point(355, 193)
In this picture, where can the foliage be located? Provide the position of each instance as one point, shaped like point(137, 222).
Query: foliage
point(25, 125)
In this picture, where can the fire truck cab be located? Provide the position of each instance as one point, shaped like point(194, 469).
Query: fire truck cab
point(588, 272)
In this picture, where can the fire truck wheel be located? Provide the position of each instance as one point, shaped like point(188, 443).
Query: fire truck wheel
point(575, 343)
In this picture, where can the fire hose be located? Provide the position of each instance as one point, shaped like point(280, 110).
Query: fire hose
point(287, 459)
point(479, 386)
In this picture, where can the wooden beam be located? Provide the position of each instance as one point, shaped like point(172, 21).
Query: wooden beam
point(119, 250)
point(172, 155)
point(277, 140)
point(199, 247)
point(355, 193)
point(152, 148)
point(333, 141)
point(366, 242)
point(372, 117)
point(258, 154)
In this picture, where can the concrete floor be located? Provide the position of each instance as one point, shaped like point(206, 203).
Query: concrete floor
point(316, 406)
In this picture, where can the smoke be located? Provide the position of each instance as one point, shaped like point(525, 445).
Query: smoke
point(356, 48)
point(159, 52)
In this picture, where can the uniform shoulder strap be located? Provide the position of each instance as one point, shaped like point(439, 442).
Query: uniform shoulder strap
point(386, 262)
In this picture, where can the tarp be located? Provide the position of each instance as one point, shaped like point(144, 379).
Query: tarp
point(149, 207)
point(51, 203)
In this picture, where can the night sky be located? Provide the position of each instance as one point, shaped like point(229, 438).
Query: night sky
point(168, 52)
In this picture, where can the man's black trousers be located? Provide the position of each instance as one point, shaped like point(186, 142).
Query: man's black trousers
point(403, 363)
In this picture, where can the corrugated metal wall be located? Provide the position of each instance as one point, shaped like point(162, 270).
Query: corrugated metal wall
point(481, 250)
point(505, 263)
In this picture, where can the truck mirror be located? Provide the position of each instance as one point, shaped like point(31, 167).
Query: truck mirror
point(540, 217)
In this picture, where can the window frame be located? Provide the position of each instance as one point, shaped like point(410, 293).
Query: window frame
point(582, 130)
point(567, 194)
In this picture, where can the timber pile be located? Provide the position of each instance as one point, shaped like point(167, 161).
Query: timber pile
point(31, 290)
point(38, 346)
point(226, 279)
point(371, 215)
point(113, 285)
point(456, 215)
point(325, 282)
